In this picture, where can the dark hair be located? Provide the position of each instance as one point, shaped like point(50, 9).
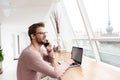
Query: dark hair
point(33, 27)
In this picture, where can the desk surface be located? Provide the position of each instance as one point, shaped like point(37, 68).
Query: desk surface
point(89, 70)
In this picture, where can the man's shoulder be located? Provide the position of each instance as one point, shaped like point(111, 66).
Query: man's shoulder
point(30, 51)
point(26, 50)
point(26, 53)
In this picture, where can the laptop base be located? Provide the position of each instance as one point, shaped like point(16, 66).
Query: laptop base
point(75, 64)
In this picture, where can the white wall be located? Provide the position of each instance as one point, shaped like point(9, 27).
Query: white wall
point(0, 35)
point(9, 40)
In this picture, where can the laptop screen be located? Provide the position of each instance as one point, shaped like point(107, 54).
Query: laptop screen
point(76, 54)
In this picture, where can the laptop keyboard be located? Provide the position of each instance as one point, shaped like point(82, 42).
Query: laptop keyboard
point(75, 64)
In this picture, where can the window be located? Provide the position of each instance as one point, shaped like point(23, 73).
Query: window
point(95, 25)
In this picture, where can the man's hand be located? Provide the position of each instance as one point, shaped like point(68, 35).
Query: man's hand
point(49, 48)
point(70, 61)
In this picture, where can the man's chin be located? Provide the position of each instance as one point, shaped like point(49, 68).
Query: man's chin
point(42, 42)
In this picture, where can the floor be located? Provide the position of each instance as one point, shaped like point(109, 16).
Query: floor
point(10, 73)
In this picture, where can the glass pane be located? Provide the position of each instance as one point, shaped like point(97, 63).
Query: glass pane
point(85, 44)
point(75, 18)
point(104, 19)
point(110, 53)
point(105, 23)
point(78, 27)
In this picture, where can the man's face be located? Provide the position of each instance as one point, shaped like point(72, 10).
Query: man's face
point(40, 35)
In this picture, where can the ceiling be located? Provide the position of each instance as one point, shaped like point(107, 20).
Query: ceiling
point(24, 10)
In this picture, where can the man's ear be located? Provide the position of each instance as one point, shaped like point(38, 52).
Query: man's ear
point(32, 36)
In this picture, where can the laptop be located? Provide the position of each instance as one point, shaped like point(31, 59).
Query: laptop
point(76, 55)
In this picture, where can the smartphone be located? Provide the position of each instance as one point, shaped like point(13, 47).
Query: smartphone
point(46, 43)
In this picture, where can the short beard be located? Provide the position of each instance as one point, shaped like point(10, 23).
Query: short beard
point(40, 42)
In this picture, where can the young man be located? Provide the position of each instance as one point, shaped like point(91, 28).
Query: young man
point(33, 61)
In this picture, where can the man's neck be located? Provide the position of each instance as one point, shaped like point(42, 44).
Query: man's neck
point(36, 46)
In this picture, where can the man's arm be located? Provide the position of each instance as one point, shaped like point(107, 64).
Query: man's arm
point(50, 57)
point(36, 63)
